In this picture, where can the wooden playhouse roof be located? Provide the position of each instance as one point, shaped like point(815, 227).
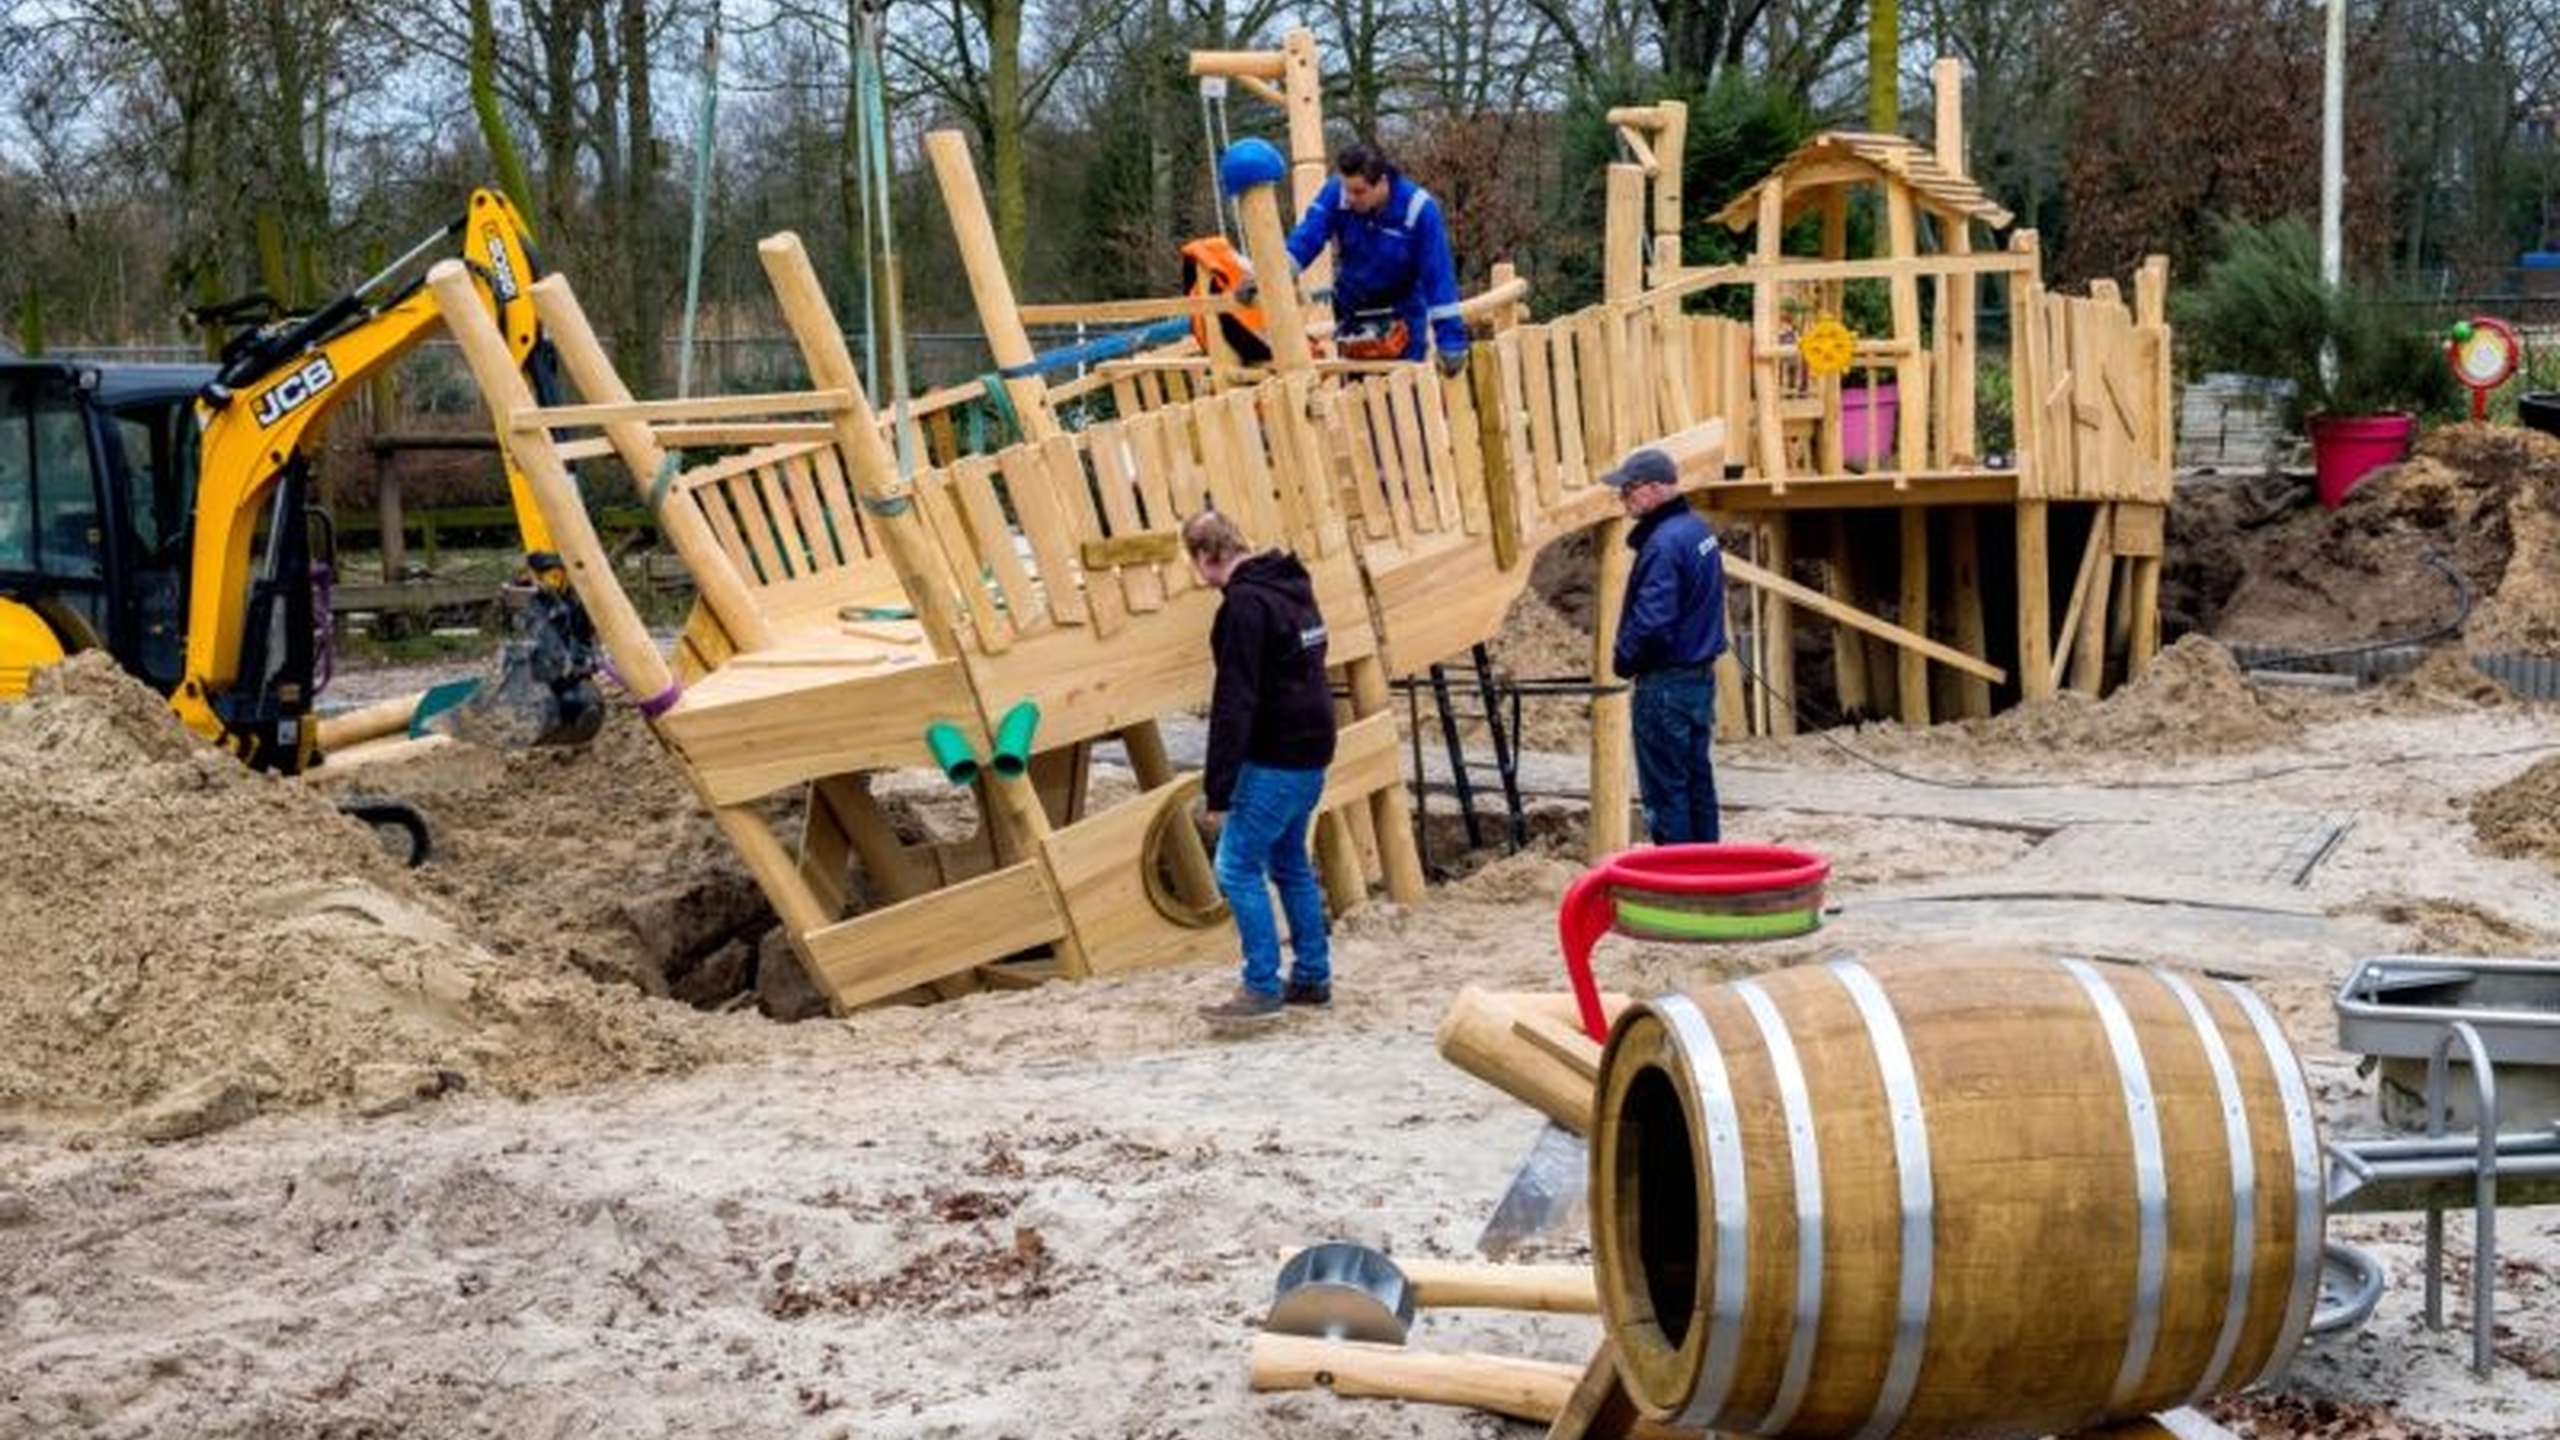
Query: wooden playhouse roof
point(1845, 157)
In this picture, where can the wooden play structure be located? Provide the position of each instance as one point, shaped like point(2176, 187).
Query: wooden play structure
point(996, 616)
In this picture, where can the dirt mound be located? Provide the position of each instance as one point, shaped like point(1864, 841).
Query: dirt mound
point(2521, 819)
point(598, 858)
point(1538, 641)
point(2192, 700)
point(190, 942)
point(2477, 502)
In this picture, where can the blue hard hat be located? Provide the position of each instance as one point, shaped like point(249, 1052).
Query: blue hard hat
point(1248, 163)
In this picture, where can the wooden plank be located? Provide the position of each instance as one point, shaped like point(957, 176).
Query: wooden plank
point(2140, 530)
point(934, 494)
point(1380, 437)
point(1106, 601)
point(908, 944)
point(1912, 681)
point(2092, 553)
point(1437, 395)
point(1602, 443)
point(1247, 454)
point(1463, 438)
point(747, 503)
point(1043, 514)
point(1537, 386)
point(752, 729)
point(1857, 619)
point(1347, 432)
point(700, 407)
point(835, 500)
point(1297, 482)
point(1116, 472)
point(973, 486)
point(799, 551)
point(1573, 463)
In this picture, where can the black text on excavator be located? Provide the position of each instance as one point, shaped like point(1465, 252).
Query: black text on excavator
point(163, 513)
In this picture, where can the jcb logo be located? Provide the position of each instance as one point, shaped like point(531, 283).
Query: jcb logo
point(295, 391)
point(502, 272)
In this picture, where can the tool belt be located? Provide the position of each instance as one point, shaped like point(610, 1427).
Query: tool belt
point(1372, 335)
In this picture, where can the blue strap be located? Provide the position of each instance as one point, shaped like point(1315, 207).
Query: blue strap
point(1101, 347)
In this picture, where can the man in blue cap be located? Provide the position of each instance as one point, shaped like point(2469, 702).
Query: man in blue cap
point(1395, 283)
point(1670, 632)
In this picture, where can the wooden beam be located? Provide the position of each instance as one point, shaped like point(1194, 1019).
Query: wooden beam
point(1814, 600)
point(998, 313)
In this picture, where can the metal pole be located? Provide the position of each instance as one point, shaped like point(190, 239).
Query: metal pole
point(2333, 148)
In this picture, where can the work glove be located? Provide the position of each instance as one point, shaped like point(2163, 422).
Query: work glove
point(1453, 362)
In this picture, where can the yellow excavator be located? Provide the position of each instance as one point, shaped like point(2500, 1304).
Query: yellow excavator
point(163, 514)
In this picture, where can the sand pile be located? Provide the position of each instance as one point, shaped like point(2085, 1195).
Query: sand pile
point(1538, 641)
point(2521, 819)
point(600, 859)
point(2193, 700)
point(190, 942)
point(2253, 569)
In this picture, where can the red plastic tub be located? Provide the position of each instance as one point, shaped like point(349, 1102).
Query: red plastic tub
point(1692, 894)
point(2347, 448)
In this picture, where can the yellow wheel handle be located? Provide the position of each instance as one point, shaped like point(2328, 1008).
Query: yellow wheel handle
point(1828, 347)
point(1174, 809)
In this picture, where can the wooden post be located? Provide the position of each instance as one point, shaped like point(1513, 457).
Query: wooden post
point(1268, 243)
point(715, 578)
point(1779, 622)
point(1848, 647)
point(2027, 382)
point(998, 310)
point(1913, 667)
point(885, 496)
point(386, 503)
point(1302, 83)
point(1769, 236)
point(1964, 578)
point(2089, 649)
point(618, 626)
point(1612, 734)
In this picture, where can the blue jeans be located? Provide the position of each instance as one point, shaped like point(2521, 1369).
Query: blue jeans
point(1265, 844)
point(1675, 722)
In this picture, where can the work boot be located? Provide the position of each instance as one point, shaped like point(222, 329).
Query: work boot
point(1244, 1007)
point(1317, 993)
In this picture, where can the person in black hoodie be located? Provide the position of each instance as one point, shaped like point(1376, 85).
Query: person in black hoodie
point(1271, 736)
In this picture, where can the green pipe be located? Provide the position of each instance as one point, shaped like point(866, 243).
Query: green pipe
point(1013, 738)
point(951, 751)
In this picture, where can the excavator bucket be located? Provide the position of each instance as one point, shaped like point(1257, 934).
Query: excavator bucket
point(540, 687)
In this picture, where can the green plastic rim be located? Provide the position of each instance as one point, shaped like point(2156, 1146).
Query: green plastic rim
point(1660, 922)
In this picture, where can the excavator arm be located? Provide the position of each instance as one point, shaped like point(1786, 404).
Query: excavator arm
point(275, 388)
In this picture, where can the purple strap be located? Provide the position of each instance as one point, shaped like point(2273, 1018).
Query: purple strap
point(662, 702)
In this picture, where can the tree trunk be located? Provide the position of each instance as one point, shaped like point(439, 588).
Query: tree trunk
point(1004, 130)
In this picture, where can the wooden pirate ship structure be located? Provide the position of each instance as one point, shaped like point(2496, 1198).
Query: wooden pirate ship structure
point(996, 617)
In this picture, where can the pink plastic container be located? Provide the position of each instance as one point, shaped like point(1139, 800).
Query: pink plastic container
point(2347, 448)
point(1869, 419)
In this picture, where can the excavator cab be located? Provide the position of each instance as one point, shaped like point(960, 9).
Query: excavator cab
point(97, 469)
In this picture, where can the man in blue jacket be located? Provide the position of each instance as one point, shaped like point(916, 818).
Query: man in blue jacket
point(1669, 634)
point(1395, 284)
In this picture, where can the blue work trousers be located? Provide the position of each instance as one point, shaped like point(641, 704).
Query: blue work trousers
point(1675, 723)
point(1265, 844)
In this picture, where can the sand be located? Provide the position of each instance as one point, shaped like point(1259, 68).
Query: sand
point(296, 1143)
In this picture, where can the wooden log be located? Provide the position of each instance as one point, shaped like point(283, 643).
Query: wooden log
point(2035, 599)
point(1743, 570)
point(367, 722)
point(1481, 1034)
point(618, 626)
point(1964, 565)
point(1481, 1285)
point(998, 312)
point(1778, 663)
point(1533, 1390)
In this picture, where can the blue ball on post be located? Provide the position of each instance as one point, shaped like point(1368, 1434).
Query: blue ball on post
point(1251, 162)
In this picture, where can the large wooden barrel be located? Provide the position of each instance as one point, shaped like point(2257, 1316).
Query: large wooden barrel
point(1951, 1195)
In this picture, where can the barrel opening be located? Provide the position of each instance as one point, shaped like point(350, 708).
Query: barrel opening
point(1658, 1189)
